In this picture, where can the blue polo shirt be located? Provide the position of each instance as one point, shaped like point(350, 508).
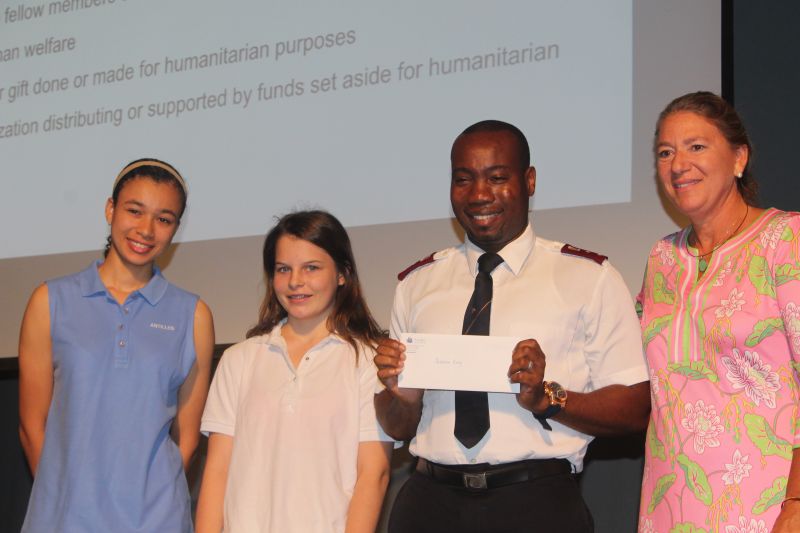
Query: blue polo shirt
point(108, 462)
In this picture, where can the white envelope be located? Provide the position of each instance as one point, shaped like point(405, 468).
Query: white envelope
point(457, 362)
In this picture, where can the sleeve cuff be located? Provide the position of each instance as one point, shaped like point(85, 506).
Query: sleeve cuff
point(209, 426)
point(630, 376)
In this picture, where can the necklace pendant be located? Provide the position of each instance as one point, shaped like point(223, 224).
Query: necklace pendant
point(702, 264)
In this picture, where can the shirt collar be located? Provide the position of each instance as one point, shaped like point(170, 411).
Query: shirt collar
point(275, 338)
point(514, 254)
point(91, 284)
point(155, 288)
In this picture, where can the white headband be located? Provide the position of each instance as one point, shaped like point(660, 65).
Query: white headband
point(152, 163)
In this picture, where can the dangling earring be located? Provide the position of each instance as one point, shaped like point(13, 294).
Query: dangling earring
point(739, 175)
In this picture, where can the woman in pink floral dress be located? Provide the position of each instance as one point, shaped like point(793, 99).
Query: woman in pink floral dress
point(720, 311)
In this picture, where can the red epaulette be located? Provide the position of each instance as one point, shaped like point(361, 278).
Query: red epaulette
point(580, 252)
point(402, 275)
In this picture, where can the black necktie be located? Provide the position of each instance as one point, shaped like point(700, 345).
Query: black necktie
point(472, 408)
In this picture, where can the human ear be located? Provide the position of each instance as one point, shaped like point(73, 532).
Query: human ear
point(742, 157)
point(109, 210)
point(530, 180)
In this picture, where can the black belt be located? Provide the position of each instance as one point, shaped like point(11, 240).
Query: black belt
point(485, 476)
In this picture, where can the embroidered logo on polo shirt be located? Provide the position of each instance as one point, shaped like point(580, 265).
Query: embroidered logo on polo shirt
point(165, 327)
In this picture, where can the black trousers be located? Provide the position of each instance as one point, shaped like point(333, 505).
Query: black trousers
point(548, 504)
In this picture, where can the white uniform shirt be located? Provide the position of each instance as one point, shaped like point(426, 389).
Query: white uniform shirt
point(296, 432)
point(579, 311)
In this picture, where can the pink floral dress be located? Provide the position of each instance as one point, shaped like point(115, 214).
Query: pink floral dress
point(723, 353)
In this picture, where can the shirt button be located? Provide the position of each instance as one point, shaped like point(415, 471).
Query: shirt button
point(121, 327)
point(127, 310)
point(122, 344)
point(473, 461)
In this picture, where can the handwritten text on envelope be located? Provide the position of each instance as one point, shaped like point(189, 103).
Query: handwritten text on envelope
point(457, 362)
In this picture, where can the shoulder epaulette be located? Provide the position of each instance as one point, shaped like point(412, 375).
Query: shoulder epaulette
point(422, 262)
point(568, 249)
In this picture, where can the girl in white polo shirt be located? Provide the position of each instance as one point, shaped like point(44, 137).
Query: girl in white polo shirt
point(294, 442)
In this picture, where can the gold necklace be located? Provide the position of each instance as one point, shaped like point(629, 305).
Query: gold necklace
point(702, 264)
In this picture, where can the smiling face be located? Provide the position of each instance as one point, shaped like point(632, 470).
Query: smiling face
point(305, 280)
point(143, 221)
point(697, 166)
point(489, 188)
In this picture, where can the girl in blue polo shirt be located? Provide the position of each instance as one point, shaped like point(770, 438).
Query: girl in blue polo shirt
point(114, 367)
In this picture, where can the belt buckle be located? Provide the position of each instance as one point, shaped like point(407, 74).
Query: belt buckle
point(475, 481)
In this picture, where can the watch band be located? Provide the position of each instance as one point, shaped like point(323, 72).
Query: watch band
point(551, 411)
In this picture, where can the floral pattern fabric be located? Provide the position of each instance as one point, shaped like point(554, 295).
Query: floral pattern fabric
point(723, 353)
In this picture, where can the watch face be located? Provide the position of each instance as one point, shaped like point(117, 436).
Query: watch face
point(557, 393)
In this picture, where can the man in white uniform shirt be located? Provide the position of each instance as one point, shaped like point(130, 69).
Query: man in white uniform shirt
point(581, 370)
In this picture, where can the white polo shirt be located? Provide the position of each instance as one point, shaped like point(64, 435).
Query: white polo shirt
point(296, 432)
point(579, 311)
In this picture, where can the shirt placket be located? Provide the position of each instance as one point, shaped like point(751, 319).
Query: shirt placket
point(125, 314)
point(294, 388)
point(290, 393)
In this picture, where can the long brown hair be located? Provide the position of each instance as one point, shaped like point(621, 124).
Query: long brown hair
point(350, 317)
point(722, 114)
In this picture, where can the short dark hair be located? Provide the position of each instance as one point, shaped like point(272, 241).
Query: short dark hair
point(719, 112)
point(350, 317)
point(493, 126)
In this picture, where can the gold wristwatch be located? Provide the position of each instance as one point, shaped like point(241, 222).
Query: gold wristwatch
point(558, 400)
